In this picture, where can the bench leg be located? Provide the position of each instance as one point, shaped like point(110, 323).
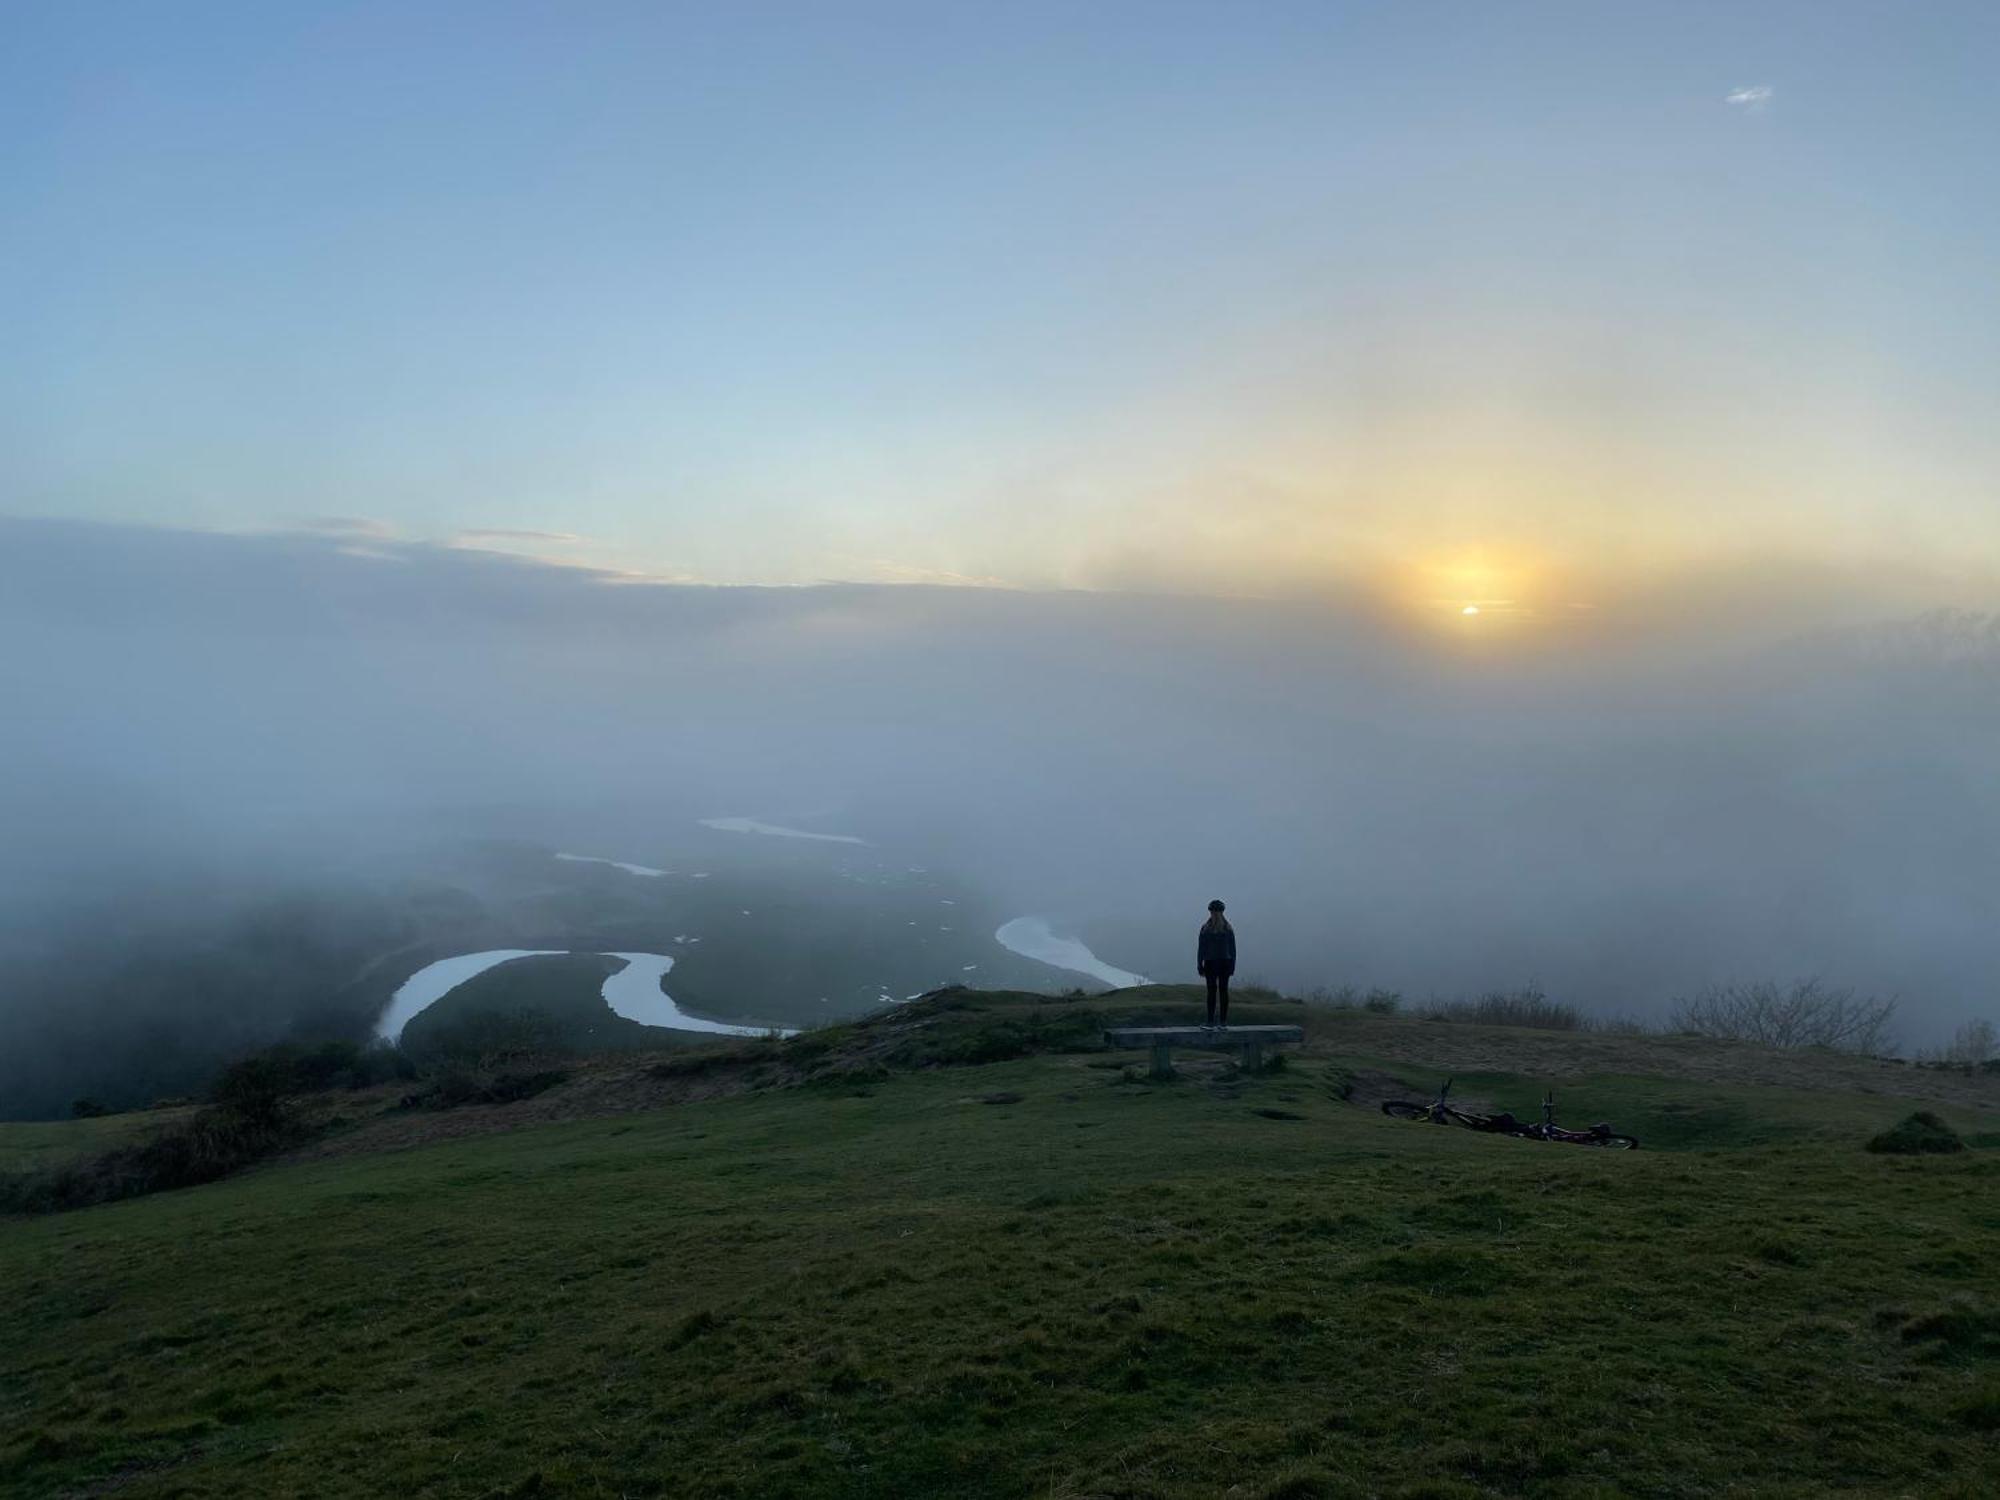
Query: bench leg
point(1253, 1057)
point(1163, 1064)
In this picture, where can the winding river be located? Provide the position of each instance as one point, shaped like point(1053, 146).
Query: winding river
point(616, 864)
point(633, 992)
point(775, 830)
point(1032, 937)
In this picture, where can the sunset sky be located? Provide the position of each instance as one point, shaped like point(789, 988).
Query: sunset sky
point(1517, 306)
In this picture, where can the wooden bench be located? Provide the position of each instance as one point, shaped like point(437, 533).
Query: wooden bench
point(1250, 1041)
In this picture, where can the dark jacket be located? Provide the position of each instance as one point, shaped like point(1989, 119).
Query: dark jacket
point(1215, 953)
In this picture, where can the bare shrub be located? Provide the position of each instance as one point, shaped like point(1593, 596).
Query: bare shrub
point(1378, 1001)
point(1972, 1044)
point(1804, 1013)
point(1527, 1006)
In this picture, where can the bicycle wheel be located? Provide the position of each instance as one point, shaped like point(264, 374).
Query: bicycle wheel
point(1616, 1142)
point(1402, 1109)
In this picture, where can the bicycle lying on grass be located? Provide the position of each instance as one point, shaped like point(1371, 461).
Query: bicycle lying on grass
point(1440, 1111)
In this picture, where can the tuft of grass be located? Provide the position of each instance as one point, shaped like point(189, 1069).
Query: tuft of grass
point(1965, 1328)
point(1780, 1253)
point(1981, 1411)
point(1919, 1134)
point(692, 1327)
point(1441, 1273)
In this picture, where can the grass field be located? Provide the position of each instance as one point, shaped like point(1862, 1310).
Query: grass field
point(1045, 1276)
point(35, 1145)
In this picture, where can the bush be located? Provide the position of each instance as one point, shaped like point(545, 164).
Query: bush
point(1527, 1006)
point(247, 1117)
point(217, 1140)
point(838, 1076)
point(1973, 1046)
point(1347, 997)
point(88, 1109)
point(697, 1064)
point(1920, 1134)
point(254, 1088)
point(486, 1038)
point(344, 1065)
point(1804, 1013)
point(456, 1086)
point(999, 1039)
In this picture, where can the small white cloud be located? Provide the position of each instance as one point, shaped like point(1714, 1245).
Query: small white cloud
point(348, 526)
point(1754, 97)
point(887, 570)
point(481, 535)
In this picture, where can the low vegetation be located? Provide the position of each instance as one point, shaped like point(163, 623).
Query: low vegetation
point(1527, 1006)
point(1974, 1046)
point(248, 1116)
point(550, 1005)
point(1804, 1013)
point(1919, 1134)
point(456, 1086)
point(246, 1121)
point(1380, 1002)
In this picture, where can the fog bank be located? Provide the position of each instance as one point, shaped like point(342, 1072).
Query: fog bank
point(1620, 815)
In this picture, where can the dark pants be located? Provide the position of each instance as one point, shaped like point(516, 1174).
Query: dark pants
point(1218, 996)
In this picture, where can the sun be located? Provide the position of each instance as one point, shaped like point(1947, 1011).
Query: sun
point(1484, 588)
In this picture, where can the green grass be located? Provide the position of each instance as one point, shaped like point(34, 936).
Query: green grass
point(1100, 1288)
point(36, 1145)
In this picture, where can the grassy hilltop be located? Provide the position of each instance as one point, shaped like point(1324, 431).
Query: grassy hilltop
point(961, 1250)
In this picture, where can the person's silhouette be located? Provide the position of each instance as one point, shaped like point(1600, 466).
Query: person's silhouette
point(1215, 960)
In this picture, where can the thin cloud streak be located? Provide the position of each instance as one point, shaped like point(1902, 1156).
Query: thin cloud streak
point(476, 535)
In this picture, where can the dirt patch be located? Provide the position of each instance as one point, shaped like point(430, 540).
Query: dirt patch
point(1370, 1089)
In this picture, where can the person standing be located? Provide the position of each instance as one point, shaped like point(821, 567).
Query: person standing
point(1215, 960)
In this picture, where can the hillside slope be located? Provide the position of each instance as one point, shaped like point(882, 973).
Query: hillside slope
point(922, 1273)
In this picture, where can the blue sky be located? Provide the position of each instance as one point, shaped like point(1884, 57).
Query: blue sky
point(1503, 301)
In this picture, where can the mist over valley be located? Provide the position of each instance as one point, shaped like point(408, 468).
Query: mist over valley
point(254, 783)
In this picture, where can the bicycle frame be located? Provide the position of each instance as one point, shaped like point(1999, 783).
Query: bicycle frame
point(1443, 1113)
point(1548, 1130)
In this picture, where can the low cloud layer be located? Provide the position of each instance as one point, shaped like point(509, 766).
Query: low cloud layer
point(1749, 792)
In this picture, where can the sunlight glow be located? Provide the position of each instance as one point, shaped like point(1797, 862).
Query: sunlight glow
point(1496, 586)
